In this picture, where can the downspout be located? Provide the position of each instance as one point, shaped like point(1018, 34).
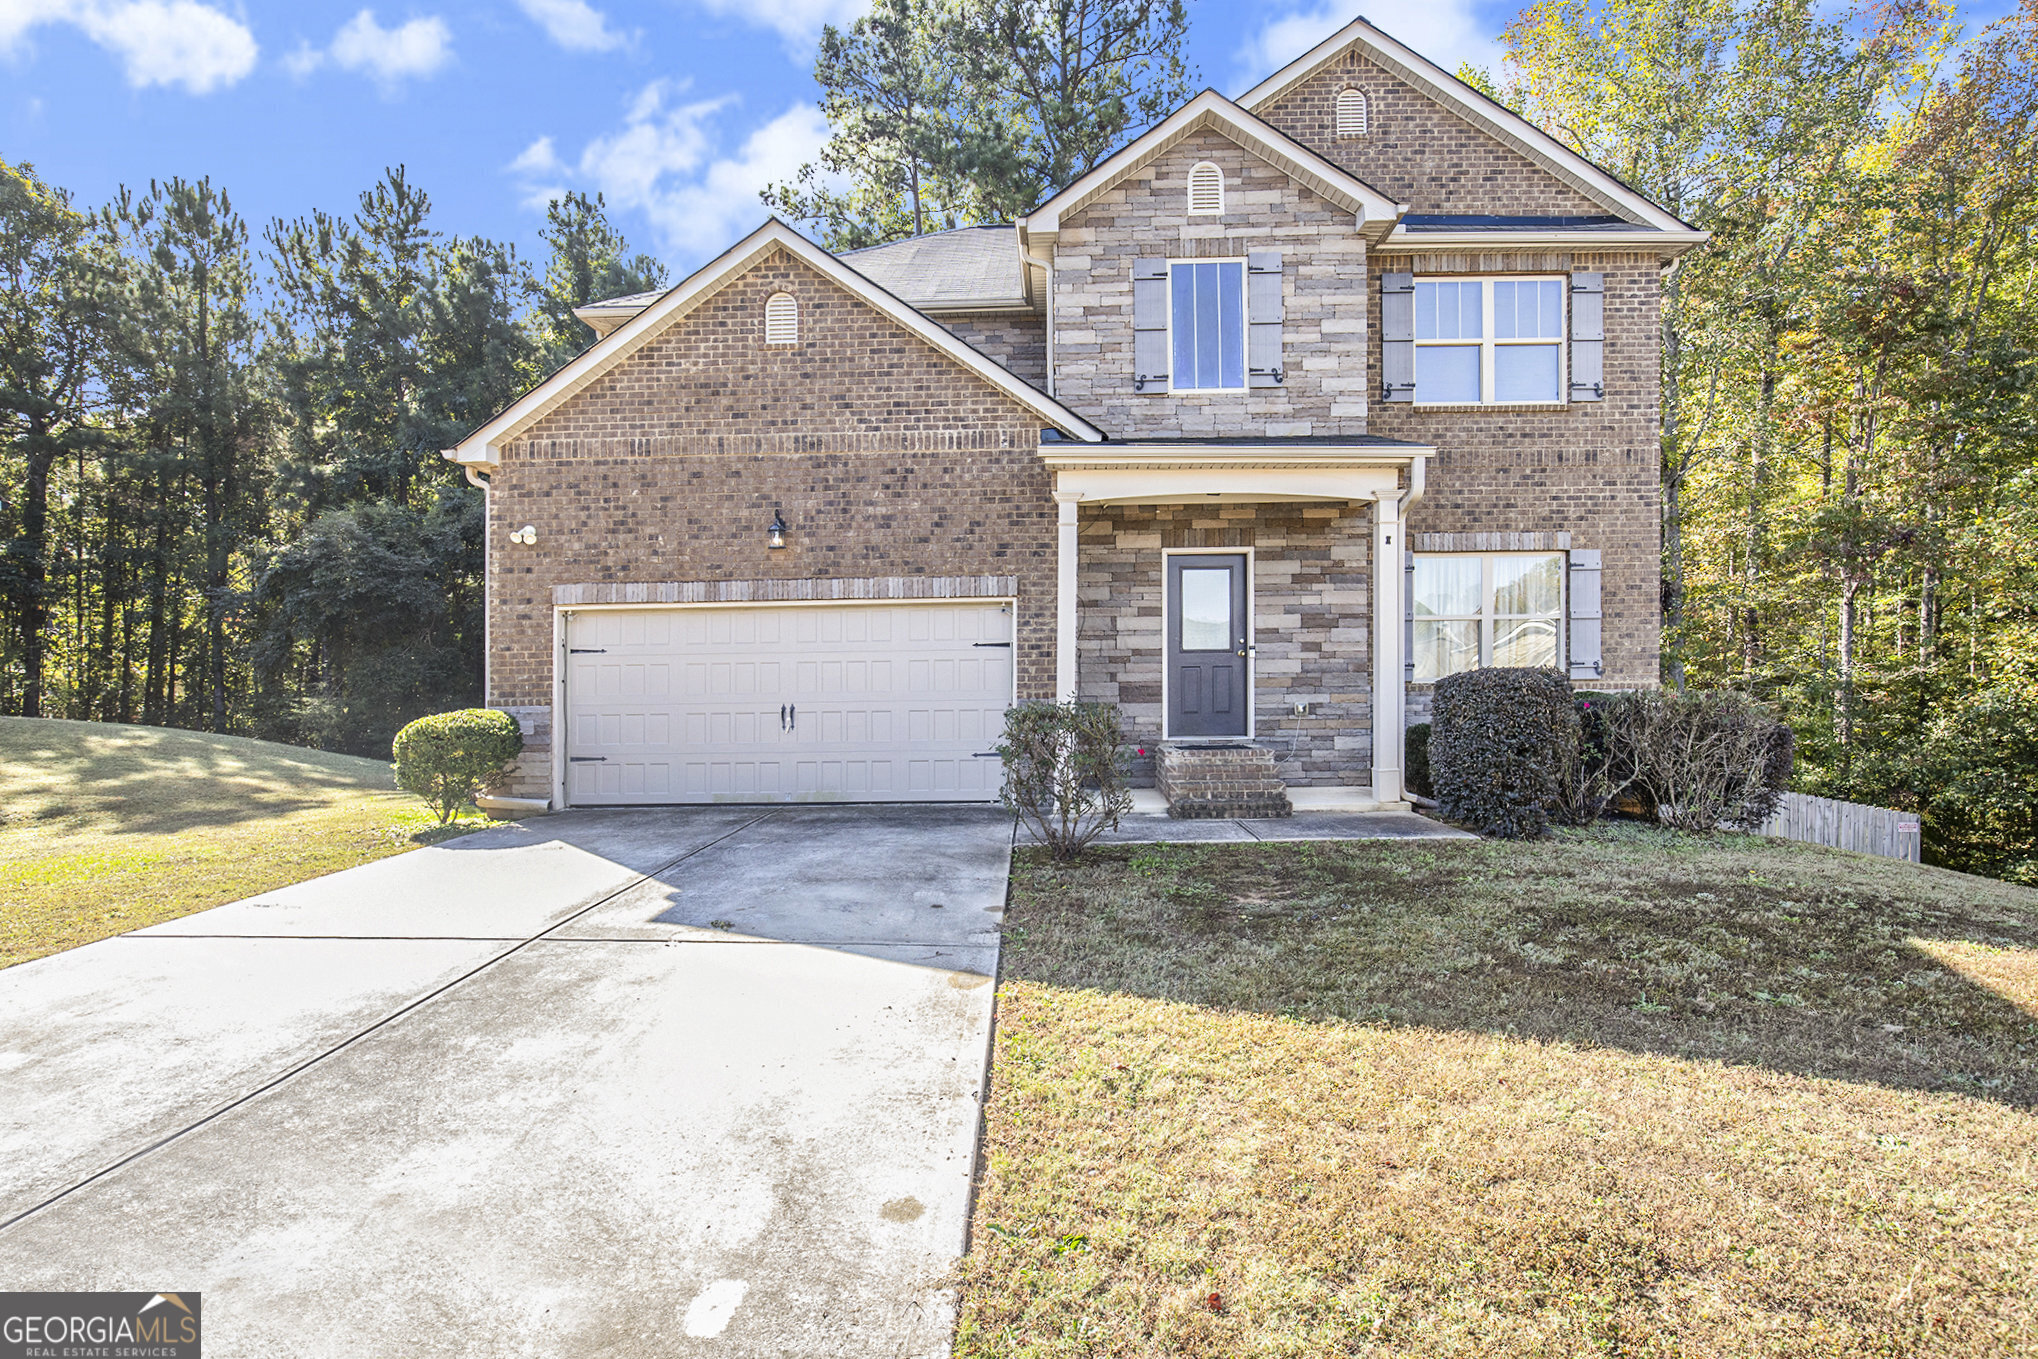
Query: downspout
point(476, 480)
point(1047, 265)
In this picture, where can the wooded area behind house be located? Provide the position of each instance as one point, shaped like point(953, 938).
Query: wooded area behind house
point(225, 509)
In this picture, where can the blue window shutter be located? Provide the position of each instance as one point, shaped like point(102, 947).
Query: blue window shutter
point(1407, 614)
point(1586, 661)
point(1397, 337)
point(1150, 326)
point(1265, 312)
point(1588, 337)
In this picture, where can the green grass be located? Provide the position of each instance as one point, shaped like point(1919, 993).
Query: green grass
point(106, 828)
point(1615, 1092)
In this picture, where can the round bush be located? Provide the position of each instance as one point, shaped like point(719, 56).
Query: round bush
point(448, 758)
point(1503, 749)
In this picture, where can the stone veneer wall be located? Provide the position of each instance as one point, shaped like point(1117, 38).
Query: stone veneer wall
point(887, 459)
point(1312, 597)
point(1418, 151)
point(1146, 214)
point(1018, 340)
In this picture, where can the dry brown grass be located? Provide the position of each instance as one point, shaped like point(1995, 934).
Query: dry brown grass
point(1612, 1093)
point(107, 828)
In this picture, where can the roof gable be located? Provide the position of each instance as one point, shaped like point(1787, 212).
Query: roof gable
point(1502, 124)
point(479, 448)
point(1375, 211)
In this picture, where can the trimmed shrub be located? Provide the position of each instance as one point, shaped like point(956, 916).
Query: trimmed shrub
point(1415, 761)
point(1702, 760)
point(449, 758)
point(1503, 749)
point(1065, 772)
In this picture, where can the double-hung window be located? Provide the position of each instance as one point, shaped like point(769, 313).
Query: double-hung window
point(1489, 340)
point(1207, 316)
point(1486, 609)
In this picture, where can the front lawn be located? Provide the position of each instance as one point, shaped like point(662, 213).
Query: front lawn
point(106, 828)
point(1615, 1092)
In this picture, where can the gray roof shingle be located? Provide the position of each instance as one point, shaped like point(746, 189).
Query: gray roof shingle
point(947, 269)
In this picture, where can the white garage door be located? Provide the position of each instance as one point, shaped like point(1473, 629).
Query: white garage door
point(851, 702)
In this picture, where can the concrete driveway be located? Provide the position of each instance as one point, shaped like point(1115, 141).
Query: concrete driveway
point(693, 1081)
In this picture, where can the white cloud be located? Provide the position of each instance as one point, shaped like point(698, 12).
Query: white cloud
point(666, 163)
point(1448, 32)
point(159, 42)
point(797, 21)
point(416, 48)
point(574, 24)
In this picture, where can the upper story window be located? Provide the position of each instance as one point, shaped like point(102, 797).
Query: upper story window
point(1485, 609)
point(781, 319)
point(1351, 113)
point(1489, 340)
point(1207, 320)
point(1206, 189)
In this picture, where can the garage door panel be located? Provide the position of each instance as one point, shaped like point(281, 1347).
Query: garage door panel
point(776, 703)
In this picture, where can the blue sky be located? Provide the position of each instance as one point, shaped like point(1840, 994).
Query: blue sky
point(677, 110)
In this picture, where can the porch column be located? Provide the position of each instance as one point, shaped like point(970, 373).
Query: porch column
point(1388, 662)
point(1065, 599)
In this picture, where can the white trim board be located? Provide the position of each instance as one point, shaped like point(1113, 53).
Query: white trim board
point(1454, 94)
point(480, 448)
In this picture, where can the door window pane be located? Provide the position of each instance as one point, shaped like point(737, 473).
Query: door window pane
point(1448, 586)
point(1443, 648)
point(1525, 372)
point(1446, 372)
point(1206, 609)
point(1527, 585)
point(1208, 311)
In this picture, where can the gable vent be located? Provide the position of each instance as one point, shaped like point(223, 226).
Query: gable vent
point(1206, 189)
point(1351, 113)
point(781, 319)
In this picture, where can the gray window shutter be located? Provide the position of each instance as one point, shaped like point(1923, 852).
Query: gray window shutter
point(1588, 337)
point(1264, 313)
point(1586, 663)
point(1150, 326)
point(1408, 615)
point(1397, 337)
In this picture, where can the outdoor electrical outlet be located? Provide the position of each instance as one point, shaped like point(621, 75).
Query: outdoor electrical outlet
point(1301, 709)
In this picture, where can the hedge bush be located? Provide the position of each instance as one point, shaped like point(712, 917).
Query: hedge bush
point(1065, 772)
point(1503, 749)
point(1415, 761)
point(449, 758)
point(1700, 761)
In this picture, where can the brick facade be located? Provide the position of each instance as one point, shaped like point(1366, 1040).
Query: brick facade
point(1418, 151)
point(1146, 214)
point(1017, 340)
point(886, 457)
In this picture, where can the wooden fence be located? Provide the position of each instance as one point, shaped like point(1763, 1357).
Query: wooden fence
point(1845, 825)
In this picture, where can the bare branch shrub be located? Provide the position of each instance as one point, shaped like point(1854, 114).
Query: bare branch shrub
point(1703, 760)
point(1065, 772)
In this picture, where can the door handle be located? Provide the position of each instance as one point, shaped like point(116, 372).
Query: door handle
point(781, 717)
point(1241, 651)
point(793, 714)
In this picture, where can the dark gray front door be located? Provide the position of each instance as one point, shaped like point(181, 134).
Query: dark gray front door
point(1207, 644)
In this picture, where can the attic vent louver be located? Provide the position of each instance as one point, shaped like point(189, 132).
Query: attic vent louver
point(781, 319)
point(1206, 189)
point(1351, 113)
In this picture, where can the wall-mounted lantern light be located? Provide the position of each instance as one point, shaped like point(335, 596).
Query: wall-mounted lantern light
point(526, 535)
point(775, 535)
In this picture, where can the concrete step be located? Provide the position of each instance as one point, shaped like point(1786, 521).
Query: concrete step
point(1215, 782)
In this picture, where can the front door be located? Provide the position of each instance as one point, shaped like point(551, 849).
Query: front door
point(1208, 638)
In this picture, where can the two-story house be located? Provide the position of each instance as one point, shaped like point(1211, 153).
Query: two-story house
point(1294, 405)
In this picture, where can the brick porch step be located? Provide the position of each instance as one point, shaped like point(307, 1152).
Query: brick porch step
point(1211, 782)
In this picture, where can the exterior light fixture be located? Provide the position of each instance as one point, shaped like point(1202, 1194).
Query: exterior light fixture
point(775, 535)
point(526, 535)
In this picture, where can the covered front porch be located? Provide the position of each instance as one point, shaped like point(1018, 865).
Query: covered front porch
point(1224, 592)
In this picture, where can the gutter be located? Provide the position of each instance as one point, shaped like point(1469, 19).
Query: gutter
point(1047, 264)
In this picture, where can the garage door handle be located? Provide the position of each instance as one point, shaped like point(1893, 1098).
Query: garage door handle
point(793, 717)
point(986, 755)
point(990, 644)
point(587, 759)
point(587, 651)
